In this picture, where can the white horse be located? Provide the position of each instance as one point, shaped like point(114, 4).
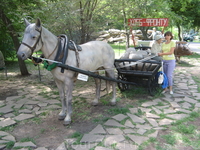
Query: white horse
point(94, 55)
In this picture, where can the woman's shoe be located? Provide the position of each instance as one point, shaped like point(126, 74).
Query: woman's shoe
point(171, 92)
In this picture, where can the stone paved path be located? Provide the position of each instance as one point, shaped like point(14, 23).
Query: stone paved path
point(127, 131)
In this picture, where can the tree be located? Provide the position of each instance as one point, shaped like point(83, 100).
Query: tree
point(86, 15)
point(122, 10)
point(79, 19)
point(13, 34)
point(188, 14)
point(12, 13)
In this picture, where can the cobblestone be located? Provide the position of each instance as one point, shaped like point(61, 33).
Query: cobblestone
point(139, 127)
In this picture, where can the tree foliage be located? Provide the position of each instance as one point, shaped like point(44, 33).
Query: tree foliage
point(80, 19)
point(186, 14)
point(10, 13)
point(188, 11)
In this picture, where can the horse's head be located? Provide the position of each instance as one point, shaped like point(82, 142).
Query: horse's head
point(32, 40)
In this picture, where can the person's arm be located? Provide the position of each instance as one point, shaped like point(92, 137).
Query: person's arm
point(153, 48)
point(170, 52)
point(167, 53)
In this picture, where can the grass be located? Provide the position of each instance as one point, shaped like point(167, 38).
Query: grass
point(185, 64)
point(193, 56)
point(169, 138)
point(185, 128)
point(78, 137)
point(7, 128)
point(113, 146)
point(160, 104)
point(133, 92)
point(162, 116)
point(139, 113)
point(10, 144)
point(118, 110)
point(42, 131)
point(191, 117)
point(104, 101)
point(27, 139)
point(182, 132)
point(99, 118)
point(53, 128)
point(197, 81)
point(123, 121)
point(80, 113)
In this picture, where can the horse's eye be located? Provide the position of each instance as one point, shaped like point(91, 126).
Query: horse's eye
point(33, 37)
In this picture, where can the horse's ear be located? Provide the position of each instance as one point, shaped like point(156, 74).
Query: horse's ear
point(27, 23)
point(38, 25)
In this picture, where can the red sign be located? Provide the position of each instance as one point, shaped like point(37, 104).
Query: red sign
point(141, 22)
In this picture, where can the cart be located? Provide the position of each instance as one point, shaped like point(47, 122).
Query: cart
point(130, 72)
point(142, 73)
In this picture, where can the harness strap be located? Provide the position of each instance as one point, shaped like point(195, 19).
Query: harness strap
point(65, 48)
point(54, 49)
point(77, 53)
point(59, 51)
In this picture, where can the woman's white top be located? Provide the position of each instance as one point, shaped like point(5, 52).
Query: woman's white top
point(156, 48)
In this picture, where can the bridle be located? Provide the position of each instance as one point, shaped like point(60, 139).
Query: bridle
point(34, 47)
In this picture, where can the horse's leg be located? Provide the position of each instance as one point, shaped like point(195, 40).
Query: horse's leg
point(60, 86)
point(98, 88)
point(69, 84)
point(111, 74)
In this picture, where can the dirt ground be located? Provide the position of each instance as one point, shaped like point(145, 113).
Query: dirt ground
point(50, 132)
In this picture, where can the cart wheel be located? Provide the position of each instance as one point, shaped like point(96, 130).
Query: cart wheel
point(122, 86)
point(153, 86)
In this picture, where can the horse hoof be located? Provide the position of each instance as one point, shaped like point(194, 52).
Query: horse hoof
point(94, 103)
point(61, 117)
point(113, 103)
point(65, 123)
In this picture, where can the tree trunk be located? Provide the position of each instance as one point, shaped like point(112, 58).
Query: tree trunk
point(144, 33)
point(14, 35)
point(86, 14)
point(82, 23)
point(126, 29)
point(179, 32)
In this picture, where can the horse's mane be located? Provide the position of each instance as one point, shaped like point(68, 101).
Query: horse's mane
point(47, 33)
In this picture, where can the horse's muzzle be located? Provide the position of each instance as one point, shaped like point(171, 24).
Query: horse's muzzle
point(21, 55)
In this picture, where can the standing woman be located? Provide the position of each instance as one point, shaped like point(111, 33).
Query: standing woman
point(169, 61)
